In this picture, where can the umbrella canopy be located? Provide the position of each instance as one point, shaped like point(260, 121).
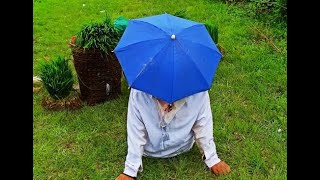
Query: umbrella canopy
point(167, 56)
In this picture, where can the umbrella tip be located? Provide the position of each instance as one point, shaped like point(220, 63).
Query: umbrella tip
point(173, 37)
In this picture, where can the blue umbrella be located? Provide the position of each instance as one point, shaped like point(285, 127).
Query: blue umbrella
point(167, 56)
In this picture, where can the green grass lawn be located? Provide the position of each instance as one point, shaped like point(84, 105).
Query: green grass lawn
point(248, 98)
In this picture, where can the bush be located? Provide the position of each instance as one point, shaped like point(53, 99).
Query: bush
point(213, 31)
point(268, 10)
point(281, 9)
point(103, 36)
point(57, 77)
point(276, 10)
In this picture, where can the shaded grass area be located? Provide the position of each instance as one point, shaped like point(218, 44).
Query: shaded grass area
point(248, 98)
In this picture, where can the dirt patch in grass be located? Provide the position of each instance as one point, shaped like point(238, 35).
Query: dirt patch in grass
point(71, 103)
point(69, 145)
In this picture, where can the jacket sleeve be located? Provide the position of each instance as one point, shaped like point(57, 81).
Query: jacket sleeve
point(136, 137)
point(203, 131)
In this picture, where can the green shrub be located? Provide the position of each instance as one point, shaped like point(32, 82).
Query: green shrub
point(267, 10)
point(103, 36)
point(270, 10)
point(281, 9)
point(57, 77)
point(213, 31)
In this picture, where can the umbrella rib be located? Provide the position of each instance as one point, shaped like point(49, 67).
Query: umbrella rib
point(188, 28)
point(200, 44)
point(169, 23)
point(193, 62)
point(145, 67)
point(138, 43)
point(173, 72)
point(153, 26)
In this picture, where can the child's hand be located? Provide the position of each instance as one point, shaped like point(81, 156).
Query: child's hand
point(221, 168)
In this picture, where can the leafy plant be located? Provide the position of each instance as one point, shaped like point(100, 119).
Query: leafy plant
point(213, 31)
point(103, 36)
point(57, 77)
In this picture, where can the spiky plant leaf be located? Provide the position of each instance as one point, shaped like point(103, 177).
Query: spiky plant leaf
point(57, 77)
point(103, 36)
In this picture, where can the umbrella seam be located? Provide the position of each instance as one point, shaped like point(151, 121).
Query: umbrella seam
point(201, 45)
point(120, 49)
point(173, 73)
point(153, 26)
point(145, 68)
point(192, 60)
point(188, 28)
point(170, 25)
point(173, 64)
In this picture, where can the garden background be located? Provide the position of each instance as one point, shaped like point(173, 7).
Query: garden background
point(248, 96)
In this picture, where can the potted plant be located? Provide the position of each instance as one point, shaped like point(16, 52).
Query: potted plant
point(57, 78)
point(213, 31)
point(98, 70)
